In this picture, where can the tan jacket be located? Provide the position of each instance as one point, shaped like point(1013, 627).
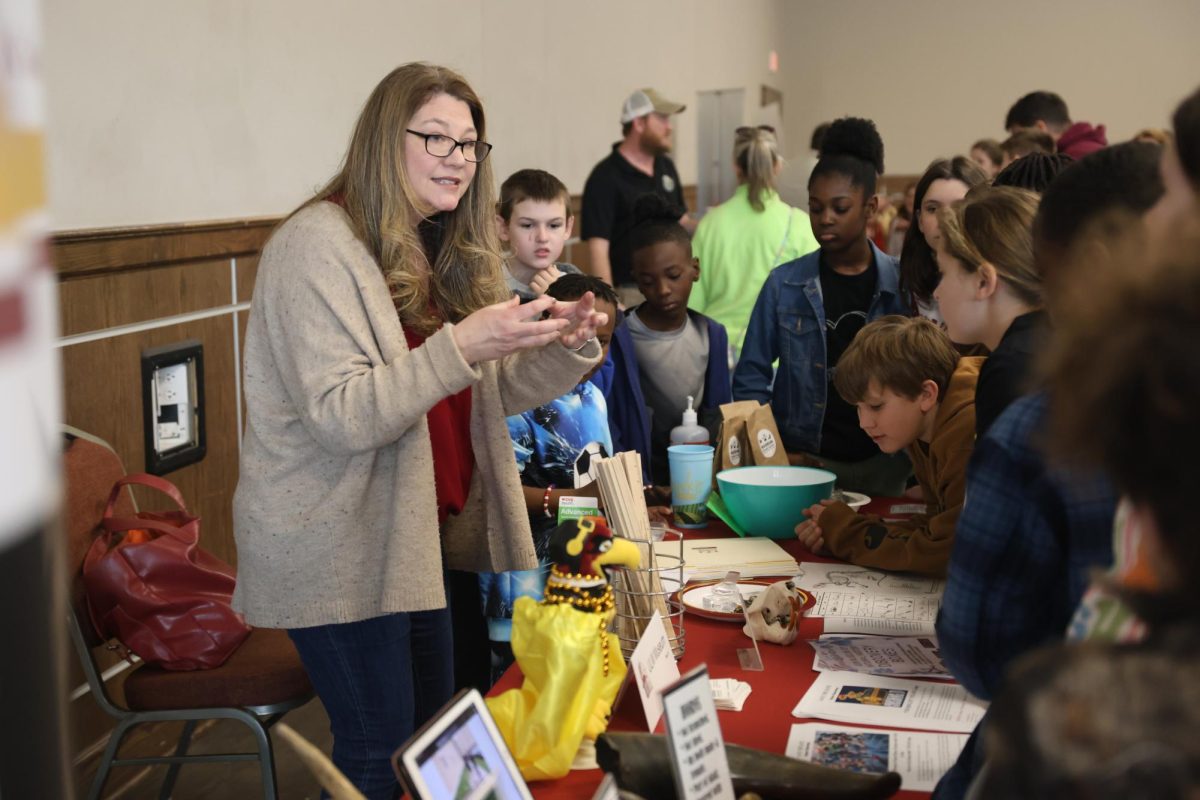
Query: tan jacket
point(335, 514)
point(920, 544)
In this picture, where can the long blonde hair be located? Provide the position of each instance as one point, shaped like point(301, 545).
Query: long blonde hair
point(374, 188)
point(756, 154)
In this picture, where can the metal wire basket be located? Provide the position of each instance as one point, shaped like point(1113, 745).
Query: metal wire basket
point(640, 592)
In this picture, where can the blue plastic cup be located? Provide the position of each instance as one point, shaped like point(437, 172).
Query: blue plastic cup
point(691, 483)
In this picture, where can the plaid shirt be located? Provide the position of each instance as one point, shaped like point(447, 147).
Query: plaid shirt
point(1029, 536)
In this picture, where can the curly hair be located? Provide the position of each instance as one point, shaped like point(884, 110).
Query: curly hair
point(656, 219)
point(851, 147)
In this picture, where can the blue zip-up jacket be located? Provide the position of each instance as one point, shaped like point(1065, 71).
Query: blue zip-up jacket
point(788, 323)
point(628, 419)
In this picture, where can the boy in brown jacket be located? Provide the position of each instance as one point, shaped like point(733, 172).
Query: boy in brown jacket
point(912, 391)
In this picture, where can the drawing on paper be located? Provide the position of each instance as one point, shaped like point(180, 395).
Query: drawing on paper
point(872, 696)
point(856, 752)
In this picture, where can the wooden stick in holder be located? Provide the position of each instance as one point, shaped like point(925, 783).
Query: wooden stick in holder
point(639, 592)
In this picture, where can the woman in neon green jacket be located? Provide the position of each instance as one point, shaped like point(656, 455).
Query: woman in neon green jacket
point(744, 238)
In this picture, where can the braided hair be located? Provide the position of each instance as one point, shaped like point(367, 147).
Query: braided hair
point(1033, 172)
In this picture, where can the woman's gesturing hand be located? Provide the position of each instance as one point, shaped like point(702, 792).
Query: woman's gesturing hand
point(504, 328)
point(582, 317)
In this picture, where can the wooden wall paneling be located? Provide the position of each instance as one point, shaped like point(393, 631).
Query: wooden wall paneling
point(247, 272)
point(243, 319)
point(86, 252)
point(105, 300)
point(103, 396)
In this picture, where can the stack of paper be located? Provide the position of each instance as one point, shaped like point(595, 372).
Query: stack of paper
point(711, 559)
point(860, 600)
point(729, 694)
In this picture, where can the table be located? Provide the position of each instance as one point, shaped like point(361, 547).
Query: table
point(766, 719)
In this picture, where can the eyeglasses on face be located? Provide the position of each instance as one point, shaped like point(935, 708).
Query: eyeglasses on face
point(442, 146)
point(746, 130)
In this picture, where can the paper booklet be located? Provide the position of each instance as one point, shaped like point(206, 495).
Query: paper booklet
point(710, 559)
point(920, 758)
point(915, 657)
point(860, 595)
point(892, 702)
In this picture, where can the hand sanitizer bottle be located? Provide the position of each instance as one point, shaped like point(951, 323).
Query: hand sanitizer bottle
point(690, 432)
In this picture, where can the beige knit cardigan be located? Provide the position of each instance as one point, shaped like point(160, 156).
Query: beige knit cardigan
point(335, 514)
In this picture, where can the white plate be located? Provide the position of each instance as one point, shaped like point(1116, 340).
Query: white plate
point(855, 500)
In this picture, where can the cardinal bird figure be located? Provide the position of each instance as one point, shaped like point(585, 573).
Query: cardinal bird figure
point(571, 663)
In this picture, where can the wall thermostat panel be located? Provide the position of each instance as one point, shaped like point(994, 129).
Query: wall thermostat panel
point(173, 405)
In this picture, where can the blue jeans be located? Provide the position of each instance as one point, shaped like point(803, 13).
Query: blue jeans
point(379, 679)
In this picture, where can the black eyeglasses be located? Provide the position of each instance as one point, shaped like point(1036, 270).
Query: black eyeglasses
point(746, 130)
point(442, 146)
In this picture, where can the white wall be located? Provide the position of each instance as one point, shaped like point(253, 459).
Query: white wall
point(170, 111)
point(936, 75)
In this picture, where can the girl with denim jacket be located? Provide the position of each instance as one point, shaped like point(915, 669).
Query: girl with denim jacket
point(810, 309)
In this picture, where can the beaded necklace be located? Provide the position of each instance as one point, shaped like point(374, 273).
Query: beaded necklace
point(565, 591)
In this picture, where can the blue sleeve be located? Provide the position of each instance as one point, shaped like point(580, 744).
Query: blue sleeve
point(603, 378)
point(521, 433)
point(717, 390)
point(753, 375)
point(1002, 570)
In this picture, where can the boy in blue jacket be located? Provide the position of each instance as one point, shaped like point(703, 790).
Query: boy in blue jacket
point(662, 353)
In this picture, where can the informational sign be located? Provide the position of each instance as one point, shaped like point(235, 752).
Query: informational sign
point(697, 747)
point(654, 669)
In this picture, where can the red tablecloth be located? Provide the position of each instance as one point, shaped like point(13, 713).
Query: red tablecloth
point(765, 720)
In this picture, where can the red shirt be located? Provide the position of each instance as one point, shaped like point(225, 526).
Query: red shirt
point(450, 434)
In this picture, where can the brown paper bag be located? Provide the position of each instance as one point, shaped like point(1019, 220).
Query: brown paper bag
point(733, 448)
point(762, 434)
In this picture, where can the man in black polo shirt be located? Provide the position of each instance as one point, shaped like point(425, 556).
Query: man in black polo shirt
point(637, 165)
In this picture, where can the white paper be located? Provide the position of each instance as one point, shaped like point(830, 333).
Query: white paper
point(892, 702)
point(729, 694)
point(908, 508)
point(654, 669)
point(694, 735)
point(822, 576)
point(878, 627)
point(900, 657)
point(920, 758)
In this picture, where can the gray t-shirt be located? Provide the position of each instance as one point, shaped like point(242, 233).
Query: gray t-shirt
point(523, 291)
point(671, 366)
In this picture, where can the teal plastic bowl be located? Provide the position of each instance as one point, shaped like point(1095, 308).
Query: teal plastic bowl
point(770, 501)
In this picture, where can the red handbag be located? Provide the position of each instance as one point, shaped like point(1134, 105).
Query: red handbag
point(156, 590)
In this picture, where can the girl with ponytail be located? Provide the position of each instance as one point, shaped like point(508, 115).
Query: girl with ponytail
point(739, 242)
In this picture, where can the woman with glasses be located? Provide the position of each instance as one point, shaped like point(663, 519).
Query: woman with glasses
point(382, 356)
point(747, 236)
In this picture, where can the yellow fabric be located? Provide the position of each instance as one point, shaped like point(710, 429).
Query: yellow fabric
point(566, 696)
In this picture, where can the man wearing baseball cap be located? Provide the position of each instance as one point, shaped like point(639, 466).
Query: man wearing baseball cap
point(637, 165)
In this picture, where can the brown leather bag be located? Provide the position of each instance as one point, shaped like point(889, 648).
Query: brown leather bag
point(156, 591)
